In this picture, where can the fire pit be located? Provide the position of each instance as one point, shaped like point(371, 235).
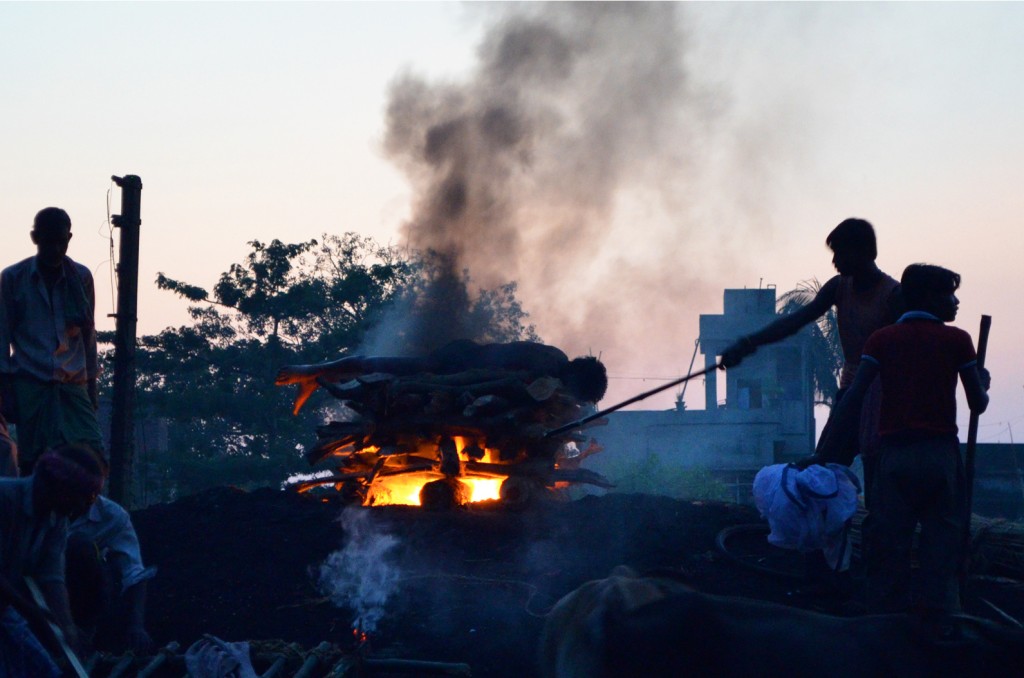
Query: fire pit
point(443, 440)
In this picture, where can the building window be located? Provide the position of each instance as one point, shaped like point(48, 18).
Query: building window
point(749, 395)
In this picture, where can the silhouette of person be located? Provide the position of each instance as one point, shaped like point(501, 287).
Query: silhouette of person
point(920, 477)
point(48, 363)
point(865, 299)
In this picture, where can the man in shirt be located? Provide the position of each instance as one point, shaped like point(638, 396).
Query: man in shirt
point(103, 554)
point(48, 360)
point(920, 478)
point(34, 513)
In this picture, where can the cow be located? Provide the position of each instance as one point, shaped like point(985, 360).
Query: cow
point(626, 625)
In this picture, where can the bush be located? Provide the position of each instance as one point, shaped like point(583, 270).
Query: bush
point(653, 476)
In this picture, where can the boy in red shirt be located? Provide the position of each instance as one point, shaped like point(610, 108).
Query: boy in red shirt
point(920, 477)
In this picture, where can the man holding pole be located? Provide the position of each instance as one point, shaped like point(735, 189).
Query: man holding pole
point(920, 477)
point(865, 299)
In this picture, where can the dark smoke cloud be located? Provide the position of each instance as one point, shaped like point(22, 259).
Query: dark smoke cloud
point(573, 160)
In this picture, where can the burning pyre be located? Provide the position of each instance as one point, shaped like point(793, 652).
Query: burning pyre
point(442, 440)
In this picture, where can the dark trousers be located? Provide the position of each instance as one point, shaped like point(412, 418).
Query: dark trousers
point(916, 483)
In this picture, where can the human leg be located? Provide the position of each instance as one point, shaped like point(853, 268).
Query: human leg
point(891, 534)
point(78, 421)
point(38, 427)
point(941, 546)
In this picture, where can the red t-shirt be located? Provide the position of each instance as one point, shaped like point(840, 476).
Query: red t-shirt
point(919, 361)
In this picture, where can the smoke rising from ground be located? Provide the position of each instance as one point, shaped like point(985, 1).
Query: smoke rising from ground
point(578, 160)
point(361, 576)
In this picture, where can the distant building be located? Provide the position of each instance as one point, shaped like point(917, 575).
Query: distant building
point(998, 481)
point(767, 416)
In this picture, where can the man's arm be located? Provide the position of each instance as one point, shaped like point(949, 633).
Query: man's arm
point(976, 383)
point(846, 416)
point(6, 331)
point(785, 326)
point(122, 544)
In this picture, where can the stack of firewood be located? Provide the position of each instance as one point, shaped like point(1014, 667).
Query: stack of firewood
point(391, 424)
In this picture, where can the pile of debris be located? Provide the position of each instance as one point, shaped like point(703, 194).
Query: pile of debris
point(449, 439)
point(268, 659)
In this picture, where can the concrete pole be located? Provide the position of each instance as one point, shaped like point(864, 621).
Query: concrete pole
point(122, 417)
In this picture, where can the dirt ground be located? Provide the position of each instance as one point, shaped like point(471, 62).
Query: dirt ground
point(469, 585)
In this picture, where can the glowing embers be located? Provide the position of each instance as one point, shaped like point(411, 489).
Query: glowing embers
point(446, 483)
point(441, 473)
point(407, 489)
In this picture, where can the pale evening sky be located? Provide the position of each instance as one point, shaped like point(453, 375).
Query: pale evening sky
point(261, 121)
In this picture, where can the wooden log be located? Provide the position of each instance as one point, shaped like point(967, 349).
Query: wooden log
point(416, 668)
point(162, 656)
point(580, 475)
point(313, 660)
point(522, 469)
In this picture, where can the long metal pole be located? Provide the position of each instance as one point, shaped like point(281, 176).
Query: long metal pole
point(122, 417)
point(646, 394)
point(969, 457)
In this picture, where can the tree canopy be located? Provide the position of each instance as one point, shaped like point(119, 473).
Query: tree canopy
point(212, 380)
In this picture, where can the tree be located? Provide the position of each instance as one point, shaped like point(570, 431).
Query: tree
point(213, 380)
point(825, 352)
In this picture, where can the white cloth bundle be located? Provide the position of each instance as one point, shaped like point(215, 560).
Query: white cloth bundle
point(810, 509)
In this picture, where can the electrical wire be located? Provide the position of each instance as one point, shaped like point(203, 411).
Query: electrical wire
point(113, 260)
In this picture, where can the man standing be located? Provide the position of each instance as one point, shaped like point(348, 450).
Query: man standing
point(866, 299)
point(920, 477)
point(48, 344)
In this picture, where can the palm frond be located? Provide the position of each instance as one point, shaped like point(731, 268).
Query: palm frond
point(826, 353)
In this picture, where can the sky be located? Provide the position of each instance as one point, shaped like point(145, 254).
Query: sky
point(661, 154)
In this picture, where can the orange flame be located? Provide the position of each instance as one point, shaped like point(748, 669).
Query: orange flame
point(405, 489)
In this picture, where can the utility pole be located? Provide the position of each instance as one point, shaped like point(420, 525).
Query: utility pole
point(122, 416)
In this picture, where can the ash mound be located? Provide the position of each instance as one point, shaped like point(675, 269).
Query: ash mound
point(469, 585)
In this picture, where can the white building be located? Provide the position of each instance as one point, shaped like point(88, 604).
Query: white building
point(766, 417)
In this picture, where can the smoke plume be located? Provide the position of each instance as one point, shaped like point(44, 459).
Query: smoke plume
point(576, 159)
point(361, 576)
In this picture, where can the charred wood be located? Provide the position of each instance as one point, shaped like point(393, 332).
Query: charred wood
point(580, 475)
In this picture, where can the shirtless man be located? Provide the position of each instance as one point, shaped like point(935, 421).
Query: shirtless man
point(866, 299)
